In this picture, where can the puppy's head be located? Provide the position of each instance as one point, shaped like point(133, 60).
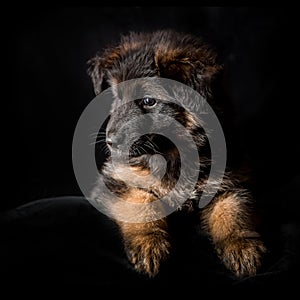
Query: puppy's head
point(161, 54)
point(168, 54)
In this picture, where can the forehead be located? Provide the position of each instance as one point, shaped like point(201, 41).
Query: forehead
point(133, 62)
point(139, 88)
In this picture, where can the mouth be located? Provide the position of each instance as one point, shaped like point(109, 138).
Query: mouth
point(152, 153)
point(149, 144)
point(143, 146)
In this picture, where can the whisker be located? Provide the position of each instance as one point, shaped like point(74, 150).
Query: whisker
point(152, 146)
point(95, 143)
point(99, 136)
point(106, 151)
point(98, 133)
point(149, 145)
point(143, 149)
point(101, 140)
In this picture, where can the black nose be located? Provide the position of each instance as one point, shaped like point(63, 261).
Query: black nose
point(109, 141)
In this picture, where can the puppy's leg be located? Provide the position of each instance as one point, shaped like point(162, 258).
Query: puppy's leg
point(147, 245)
point(229, 222)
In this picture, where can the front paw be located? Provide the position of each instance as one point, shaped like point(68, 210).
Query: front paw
point(147, 253)
point(242, 254)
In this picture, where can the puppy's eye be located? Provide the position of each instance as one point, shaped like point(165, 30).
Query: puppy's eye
point(149, 102)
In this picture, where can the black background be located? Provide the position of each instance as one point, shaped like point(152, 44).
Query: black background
point(49, 48)
point(52, 45)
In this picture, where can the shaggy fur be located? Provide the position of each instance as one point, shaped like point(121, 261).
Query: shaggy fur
point(228, 218)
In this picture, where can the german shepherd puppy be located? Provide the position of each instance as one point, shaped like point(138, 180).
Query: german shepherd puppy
point(228, 218)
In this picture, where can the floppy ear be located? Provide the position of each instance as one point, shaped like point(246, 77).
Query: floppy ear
point(195, 67)
point(96, 70)
point(99, 66)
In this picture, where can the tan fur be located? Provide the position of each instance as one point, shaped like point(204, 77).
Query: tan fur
point(228, 221)
point(228, 218)
point(138, 196)
point(147, 245)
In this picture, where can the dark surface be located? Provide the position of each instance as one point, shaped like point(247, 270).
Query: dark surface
point(65, 242)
